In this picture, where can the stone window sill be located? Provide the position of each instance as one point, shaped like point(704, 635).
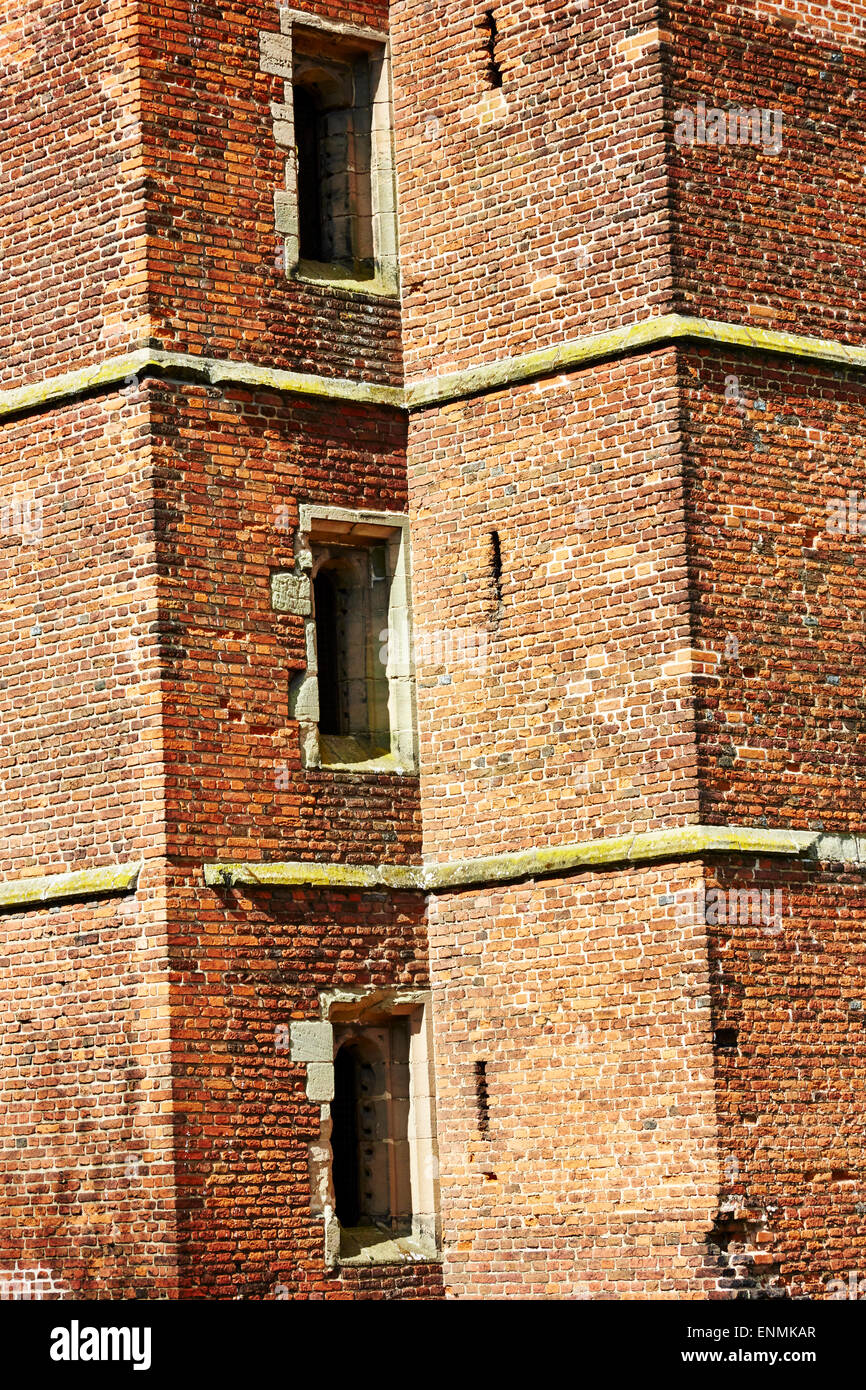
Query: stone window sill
point(340, 277)
point(348, 754)
point(367, 1245)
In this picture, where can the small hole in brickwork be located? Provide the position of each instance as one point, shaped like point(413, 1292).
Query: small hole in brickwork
point(496, 565)
point(494, 71)
point(725, 1037)
point(482, 1101)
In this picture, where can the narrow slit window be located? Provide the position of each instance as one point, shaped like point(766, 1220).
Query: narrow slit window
point(491, 34)
point(344, 220)
point(307, 121)
point(331, 136)
point(496, 567)
point(329, 655)
point(482, 1099)
point(354, 701)
point(335, 207)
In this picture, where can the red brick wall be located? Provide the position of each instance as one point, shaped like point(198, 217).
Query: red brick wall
point(768, 239)
point(788, 1093)
point(230, 470)
point(86, 1162)
point(780, 603)
point(145, 675)
point(85, 1083)
point(72, 237)
point(179, 479)
point(216, 285)
point(573, 719)
point(242, 966)
point(528, 214)
point(80, 701)
point(589, 1001)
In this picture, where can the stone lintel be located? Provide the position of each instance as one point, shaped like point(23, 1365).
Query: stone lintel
point(305, 19)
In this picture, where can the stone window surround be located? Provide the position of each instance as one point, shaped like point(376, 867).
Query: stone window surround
point(291, 592)
point(277, 59)
point(313, 1044)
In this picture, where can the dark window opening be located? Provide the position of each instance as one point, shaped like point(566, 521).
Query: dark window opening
point(482, 1099)
point(344, 1137)
point(369, 1137)
point(307, 120)
point(725, 1037)
point(351, 595)
point(328, 183)
point(494, 71)
point(496, 566)
point(327, 653)
point(333, 114)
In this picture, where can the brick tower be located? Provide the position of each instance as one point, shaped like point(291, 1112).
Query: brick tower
point(433, 513)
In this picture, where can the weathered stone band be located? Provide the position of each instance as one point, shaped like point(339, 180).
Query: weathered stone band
point(437, 390)
point(652, 333)
point(502, 868)
point(77, 883)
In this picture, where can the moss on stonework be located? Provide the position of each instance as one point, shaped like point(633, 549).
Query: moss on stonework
point(434, 390)
point(650, 333)
point(532, 863)
point(79, 883)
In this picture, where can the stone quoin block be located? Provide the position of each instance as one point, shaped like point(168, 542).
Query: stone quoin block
point(312, 1042)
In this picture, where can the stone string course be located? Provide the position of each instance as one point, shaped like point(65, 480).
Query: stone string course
point(433, 390)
